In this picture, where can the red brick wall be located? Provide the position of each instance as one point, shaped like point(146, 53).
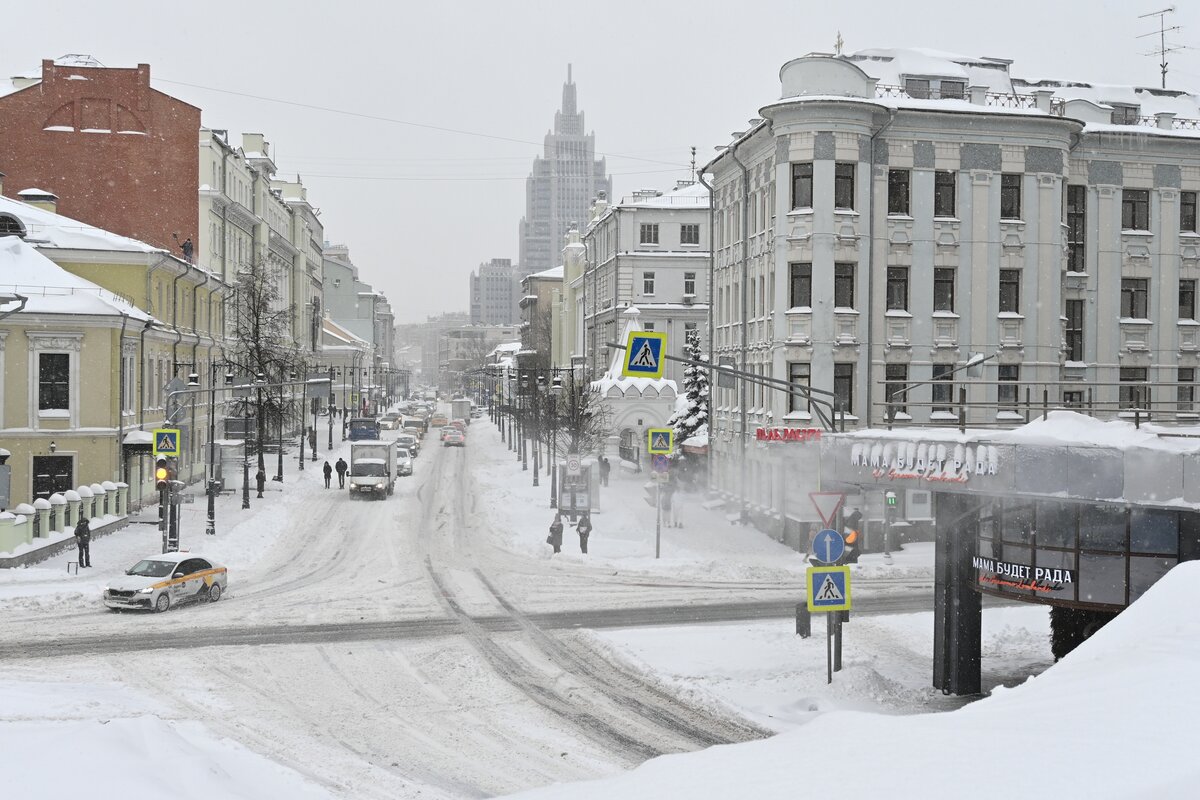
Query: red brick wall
point(143, 185)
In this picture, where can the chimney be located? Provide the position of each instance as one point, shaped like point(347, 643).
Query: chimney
point(39, 198)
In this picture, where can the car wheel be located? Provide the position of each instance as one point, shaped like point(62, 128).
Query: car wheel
point(162, 603)
point(214, 592)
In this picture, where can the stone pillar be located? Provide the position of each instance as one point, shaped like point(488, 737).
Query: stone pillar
point(41, 520)
point(58, 512)
point(24, 524)
point(122, 499)
point(99, 500)
point(74, 508)
point(10, 537)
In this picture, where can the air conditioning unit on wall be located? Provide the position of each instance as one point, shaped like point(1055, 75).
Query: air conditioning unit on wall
point(688, 299)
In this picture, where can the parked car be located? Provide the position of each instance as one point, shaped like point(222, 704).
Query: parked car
point(404, 466)
point(160, 581)
point(454, 438)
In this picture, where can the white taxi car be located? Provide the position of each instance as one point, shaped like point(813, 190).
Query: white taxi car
point(160, 581)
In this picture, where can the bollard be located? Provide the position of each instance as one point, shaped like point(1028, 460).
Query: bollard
point(803, 620)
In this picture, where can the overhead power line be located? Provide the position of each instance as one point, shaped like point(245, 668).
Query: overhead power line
point(394, 121)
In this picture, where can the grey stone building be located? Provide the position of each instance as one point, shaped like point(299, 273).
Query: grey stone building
point(897, 212)
point(495, 293)
point(560, 187)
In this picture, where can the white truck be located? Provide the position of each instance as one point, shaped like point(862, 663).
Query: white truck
point(372, 468)
point(460, 408)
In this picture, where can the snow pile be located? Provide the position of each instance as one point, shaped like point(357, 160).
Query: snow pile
point(1061, 734)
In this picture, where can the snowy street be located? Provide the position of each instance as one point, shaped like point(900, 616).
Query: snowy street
point(430, 644)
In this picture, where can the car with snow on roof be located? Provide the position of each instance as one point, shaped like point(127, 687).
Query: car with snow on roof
point(160, 581)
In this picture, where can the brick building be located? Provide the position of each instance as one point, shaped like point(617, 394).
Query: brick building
point(118, 154)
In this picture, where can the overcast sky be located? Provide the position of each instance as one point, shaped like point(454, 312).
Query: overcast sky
point(421, 207)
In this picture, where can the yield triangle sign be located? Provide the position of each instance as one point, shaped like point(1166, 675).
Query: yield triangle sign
point(829, 591)
point(827, 505)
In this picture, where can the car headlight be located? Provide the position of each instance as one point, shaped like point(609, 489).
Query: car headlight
point(149, 590)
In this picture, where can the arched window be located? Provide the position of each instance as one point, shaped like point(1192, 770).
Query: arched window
point(11, 226)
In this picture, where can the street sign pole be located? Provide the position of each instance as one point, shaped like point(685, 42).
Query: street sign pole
point(828, 648)
point(657, 518)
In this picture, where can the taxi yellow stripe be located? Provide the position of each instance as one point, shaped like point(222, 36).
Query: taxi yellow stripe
point(203, 573)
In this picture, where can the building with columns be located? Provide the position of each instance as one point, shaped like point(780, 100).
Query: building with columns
point(896, 212)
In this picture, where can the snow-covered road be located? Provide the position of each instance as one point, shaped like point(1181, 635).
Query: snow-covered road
point(422, 645)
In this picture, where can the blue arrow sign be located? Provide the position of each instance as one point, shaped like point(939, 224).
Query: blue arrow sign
point(828, 546)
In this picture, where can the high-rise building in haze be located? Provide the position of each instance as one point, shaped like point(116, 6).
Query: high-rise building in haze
point(561, 186)
point(494, 293)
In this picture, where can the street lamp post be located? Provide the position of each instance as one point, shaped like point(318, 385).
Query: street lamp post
point(332, 400)
point(524, 421)
point(211, 527)
point(555, 391)
point(246, 454)
point(279, 457)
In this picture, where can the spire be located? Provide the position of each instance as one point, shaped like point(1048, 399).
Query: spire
point(568, 100)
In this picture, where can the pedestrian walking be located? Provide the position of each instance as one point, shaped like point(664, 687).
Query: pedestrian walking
point(83, 541)
point(312, 442)
point(584, 529)
point(261, 479)
point(341, 471)
point(328, 470)
point(604, 470)
point(556, 532)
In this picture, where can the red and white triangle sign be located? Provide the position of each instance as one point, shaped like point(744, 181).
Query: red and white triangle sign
point(827, 504)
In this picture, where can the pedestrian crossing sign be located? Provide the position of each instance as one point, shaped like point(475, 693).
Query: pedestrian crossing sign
point(660, 441)
point(828, 588)
point(645, 353)
point(166, 442)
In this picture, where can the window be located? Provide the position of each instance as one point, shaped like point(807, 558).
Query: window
point(1076, 220)
point(896, 378)
point(799, 374)
point(1007, 390)
point(1123, 114)
point(800, 281)
point(689, 283)
point(647, 283)
point(54, 382)
point(1010, 196)
point(1074, 330)
point(1134, 393)
point(1073, 399)
point(1135, 209)
point(917, 88)
point(1185, 392)
point(802, 185)
point(843, 386)
point(1187, 299)
point(843, 285)
point(943, 195)
point(11, 226)
point(943, 289)
point(1135, 296)
point(943, 388)
point(689, 233)
point(952, 90)
point(649, 233)
point(1187, 212)
point(1010, 291)
point(843, 185)
point(897, 288)
point(898, 191)
point(647, 326)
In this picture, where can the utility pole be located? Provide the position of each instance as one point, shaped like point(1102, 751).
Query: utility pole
point(1162, 49)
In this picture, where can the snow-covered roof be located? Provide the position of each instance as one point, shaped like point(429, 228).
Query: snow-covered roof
point(50, 289)
point(554, 273)
point(693, 195)
point(48, 229)
point(341, 334)
point(890, 65)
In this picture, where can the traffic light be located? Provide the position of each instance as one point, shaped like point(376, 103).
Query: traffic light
point(162, 473)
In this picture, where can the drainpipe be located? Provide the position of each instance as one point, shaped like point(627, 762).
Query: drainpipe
point(712, 331)
point(871, 268)
point(121, 401)
point(142, 367)
point(742, 385)
point(175, 319)
point(616, 271)
point(195, 369)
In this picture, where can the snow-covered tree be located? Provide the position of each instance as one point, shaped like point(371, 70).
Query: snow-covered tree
point(691, 415)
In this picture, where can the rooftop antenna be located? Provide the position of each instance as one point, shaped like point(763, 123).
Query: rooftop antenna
point(837, 43)
point(1162, 49)
point(693, 162)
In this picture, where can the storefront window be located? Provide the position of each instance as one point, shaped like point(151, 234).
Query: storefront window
point(1102, 528)
point(1102, 579)
point(1153, 531)
point(1055, 525)
point(1059, 559)
point(1144, 571)
point(1018, 522)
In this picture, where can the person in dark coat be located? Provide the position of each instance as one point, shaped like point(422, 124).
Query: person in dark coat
point(341, 467)
point(261, 479)
point(83, 541)
point(328, 470)
point(584, 529)
point(312, 442)
point(604, 469)
point(556, 532)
